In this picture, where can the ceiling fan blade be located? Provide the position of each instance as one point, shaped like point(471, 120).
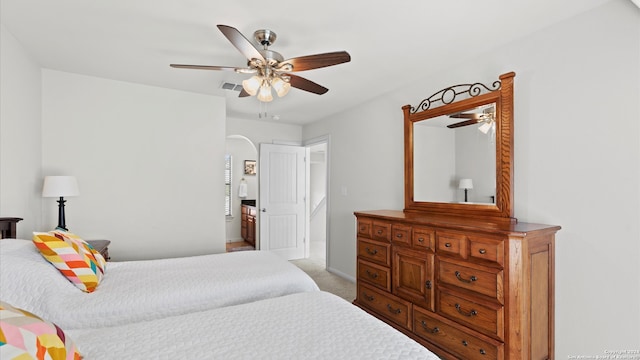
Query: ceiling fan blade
point(464, 123)
point(306, 85)
point(466, 116)
point(317, 61)
point(240, 42)
point(244, 93)
point(203, 67)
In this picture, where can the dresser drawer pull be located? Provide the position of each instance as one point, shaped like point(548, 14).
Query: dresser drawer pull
point(363, 228)
point(447, 245)
point(399, 235)
point(482, 251)
point(372, 275)
point(427, 284)
point(469, 314)
point(372, 252)
point(379, 232)
point(367, 296)
point(471, 279)
point(483, 352)
point(465, 343)
point(420, 240)
point(433, 331)
point(392, 310)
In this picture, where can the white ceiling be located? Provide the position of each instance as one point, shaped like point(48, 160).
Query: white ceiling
point(390, 46)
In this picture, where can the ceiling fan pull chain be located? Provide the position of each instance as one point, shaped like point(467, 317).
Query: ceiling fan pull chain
point(262, 111)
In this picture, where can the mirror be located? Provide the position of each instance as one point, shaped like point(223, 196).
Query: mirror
point(451, 148)
point(458, 156)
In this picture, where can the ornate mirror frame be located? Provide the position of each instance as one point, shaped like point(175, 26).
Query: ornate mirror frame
point(500, 92)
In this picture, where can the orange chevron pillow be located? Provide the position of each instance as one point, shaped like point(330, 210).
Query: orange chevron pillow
point(72, 257)
point(83, 246)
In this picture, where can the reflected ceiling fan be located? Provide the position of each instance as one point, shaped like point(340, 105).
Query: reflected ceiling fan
point(487, 117)
point(270, 69)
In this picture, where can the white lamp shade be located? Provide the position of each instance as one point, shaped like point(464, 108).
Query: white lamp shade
point(56, 186)
point(264, 94)
point(252, 85)
point(280, 86)
point(466, 184)
point(485, 127)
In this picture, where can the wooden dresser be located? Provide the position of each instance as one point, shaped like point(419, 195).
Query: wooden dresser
point(464, 288)
point(248, 224)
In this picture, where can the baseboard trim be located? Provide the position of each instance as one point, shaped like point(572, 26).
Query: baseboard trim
point(341, 274)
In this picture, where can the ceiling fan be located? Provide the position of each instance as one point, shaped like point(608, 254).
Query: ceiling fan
point(271, 70)
point(487, 117)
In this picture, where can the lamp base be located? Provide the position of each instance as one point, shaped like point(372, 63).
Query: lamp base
point(61, 222)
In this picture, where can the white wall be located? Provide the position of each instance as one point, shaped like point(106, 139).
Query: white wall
point(366, 172)
point(434, 164)
point(577, 112)
point(318, 203)
point(20, 147)
point(261, 131)
point(147, 161)
point(475, 160)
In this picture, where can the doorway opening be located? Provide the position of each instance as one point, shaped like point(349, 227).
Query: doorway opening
point(243, 190)
point(318, 244)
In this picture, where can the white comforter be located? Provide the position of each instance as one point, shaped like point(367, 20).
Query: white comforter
point(134, 291)
point(312, 325)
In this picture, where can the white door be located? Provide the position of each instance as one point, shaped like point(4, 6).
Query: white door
point(282, 200)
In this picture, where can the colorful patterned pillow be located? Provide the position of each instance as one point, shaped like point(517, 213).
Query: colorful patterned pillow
point(82, 245)
point(73, 258)
point(26, 336)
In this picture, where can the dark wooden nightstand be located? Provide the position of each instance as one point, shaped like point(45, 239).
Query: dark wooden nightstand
point(8, 227)
point(102, 246)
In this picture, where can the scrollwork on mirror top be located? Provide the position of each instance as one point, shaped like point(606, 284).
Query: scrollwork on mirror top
point(454, 91)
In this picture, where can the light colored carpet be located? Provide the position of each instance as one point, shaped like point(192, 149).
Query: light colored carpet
point(327, 281)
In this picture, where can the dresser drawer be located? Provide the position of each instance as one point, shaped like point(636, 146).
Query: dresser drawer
point(452, 244)
point(423, 238)
point(486, 281)
point(375, 251)
point(486, 249)
point(377, 275)
point(485, 317)
point(381, 231)
point(450, 337)
point(401, 234)
point(385, 305)
point(364, 227)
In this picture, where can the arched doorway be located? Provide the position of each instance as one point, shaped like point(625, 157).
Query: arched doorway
point(241, 187)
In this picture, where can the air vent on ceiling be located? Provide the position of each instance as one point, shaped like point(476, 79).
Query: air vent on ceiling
point(230, 86)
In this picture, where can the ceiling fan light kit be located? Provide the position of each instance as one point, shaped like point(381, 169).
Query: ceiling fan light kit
point(270, 68)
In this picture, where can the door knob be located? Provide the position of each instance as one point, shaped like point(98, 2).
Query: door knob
point(263, 210)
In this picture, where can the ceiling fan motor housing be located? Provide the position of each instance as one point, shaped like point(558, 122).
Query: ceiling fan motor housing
point(265, 37)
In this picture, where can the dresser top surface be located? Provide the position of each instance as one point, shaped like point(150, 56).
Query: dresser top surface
point(462, 223)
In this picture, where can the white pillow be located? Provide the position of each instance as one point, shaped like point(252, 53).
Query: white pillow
point(27, 280)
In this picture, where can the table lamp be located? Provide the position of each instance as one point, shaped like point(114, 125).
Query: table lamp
point(60, 186)
point(466, 184)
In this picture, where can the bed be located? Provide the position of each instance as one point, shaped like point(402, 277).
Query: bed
point(310, 325)
point(134, 291)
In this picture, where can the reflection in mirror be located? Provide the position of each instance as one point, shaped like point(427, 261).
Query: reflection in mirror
point(453, 147)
